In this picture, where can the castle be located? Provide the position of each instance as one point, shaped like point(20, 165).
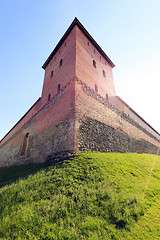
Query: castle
point(78, 108)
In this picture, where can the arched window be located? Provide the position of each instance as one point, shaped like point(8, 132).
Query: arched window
point(49, 97)
point(96, 88)
point(51, 74)
point(25, 143)
point(104, 74)
point(94, 63)
point(106, 96)
point(58, 88)
point(61, 62)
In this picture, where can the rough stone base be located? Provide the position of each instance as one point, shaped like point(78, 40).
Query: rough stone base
point(97, 136)
point(53, 140)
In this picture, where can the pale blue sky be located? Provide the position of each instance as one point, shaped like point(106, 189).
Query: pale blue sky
point(127, 30)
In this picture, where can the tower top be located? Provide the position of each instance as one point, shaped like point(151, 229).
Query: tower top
point(77, 23)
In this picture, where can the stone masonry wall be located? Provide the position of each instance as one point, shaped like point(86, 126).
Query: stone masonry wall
point(53, 140)
point(97, 136)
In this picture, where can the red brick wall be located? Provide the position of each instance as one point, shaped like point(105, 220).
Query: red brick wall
point(63, 74)
point(87, 72)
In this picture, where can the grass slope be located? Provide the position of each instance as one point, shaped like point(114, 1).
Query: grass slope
point(93, 196)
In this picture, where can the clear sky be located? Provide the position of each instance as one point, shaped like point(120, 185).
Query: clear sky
point(127, 30)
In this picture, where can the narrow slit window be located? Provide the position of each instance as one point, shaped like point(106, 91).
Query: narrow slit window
point(96, 88)
point(94, 63)
point(61, 62)
point(58, 88)
point(49, 97)
point(51, 74)
point(25, 143)
point(106, 96)
point(104, 73)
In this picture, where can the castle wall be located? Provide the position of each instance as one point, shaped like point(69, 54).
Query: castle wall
point(130, 113)
point(27, 117)
point(50, 131)
point(102, 128)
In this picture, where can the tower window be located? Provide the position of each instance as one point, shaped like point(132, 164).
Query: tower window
point(94, 51)
point(51, 74)
point(96, 88)
point(61, 62)
point(65, 44)
point(106, 96)
point(88, 43)
point(58, 88)
point(25, 143)
point(94, 63)
point(49, 97)
point(100, 57)
point(104, 74)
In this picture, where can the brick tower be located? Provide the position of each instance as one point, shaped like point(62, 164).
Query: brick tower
point(78, 108)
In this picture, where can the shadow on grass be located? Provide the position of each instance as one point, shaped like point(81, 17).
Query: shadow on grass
point(12, 174)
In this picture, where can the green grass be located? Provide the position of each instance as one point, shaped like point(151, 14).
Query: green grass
point(93, 196)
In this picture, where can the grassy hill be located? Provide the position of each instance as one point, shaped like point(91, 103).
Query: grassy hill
point(92, 196)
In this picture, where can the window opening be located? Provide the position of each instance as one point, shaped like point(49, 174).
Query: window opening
point(25, 143)
point(88, 43)
point(60, 63)
point(94, 63)
point(51, 74)
point(49, 97)
point(104, 73)
point(96, 88)
point(106, 96)
point(58, 88)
